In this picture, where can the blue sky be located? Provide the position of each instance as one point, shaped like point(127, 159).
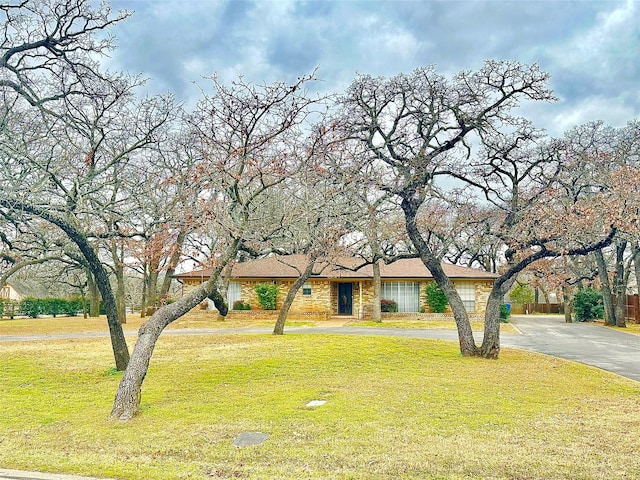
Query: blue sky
point(591, 49)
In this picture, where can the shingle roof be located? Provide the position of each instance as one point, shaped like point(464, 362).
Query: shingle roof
point(290, 266)
point(28, 289)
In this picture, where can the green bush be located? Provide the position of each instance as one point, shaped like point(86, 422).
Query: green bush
point(387, 305)
point(522, 294)
point(436, 299)
point(588, 305)
point(72, 306)
point(267, 295)
point(53, 306)
point(8, 308)
point(505, 313)
point(240, 305)
point(31, 307)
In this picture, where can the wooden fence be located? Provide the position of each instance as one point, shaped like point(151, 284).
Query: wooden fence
point(632, 308)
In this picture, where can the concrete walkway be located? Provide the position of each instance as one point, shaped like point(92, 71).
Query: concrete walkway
point(587, 343)
point(22, 475)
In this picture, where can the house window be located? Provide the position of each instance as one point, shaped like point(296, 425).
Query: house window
point(234, 293)
point(467, 292)
point(306, 289)
point(406, 294)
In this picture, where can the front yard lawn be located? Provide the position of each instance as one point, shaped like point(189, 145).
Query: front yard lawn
point(395, 408)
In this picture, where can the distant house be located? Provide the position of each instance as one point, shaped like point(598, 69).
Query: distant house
point(17, 290)
point(341, 288)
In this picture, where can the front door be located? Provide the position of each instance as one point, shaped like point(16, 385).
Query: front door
point(345, 298)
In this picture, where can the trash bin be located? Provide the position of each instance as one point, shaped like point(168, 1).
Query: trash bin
point(508, 305)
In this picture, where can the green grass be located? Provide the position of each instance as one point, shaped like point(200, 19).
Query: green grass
point(436, 324)
point(396, 408)
point(632, 328)
point(194, 319)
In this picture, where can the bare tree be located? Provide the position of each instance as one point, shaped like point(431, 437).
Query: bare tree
point(248, 138)
point(416, 128)
point(72, 127)
point(596, 155)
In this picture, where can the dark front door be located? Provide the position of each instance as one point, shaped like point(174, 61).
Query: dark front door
point(345, 298)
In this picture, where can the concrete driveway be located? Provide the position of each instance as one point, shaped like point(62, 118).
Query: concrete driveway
point(588, 343)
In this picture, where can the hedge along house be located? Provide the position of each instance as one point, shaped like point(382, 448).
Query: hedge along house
point(342, 289)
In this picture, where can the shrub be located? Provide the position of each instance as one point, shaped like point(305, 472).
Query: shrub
point(388, 305)
point(72, 306)
point(522, 294)
point(505, 313)
point(31, 307)
point(53, 306)
point(587, 303)
point(8, 308)
point(240, 305)
point(267, 295)
point(436, 299)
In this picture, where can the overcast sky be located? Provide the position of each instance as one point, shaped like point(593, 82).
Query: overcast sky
point(591, 49)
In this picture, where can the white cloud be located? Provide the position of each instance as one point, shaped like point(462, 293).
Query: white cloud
point(561, 117)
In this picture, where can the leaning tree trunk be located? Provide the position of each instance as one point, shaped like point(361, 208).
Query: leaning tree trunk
point(465, 334)
point(377, 292)
point(491, 341)
point(127, 400)
point(609, 312)
point(278, 329)
point(118, 343)
point(490, 347)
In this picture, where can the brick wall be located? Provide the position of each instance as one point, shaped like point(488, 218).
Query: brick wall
point(319, 301)
point(324, 296)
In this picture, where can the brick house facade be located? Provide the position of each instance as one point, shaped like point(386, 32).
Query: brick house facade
point(341, 288)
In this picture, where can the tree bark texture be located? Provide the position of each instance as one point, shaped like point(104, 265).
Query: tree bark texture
point(278, 329)
point(566, 297)
point(377, 292)
point(127, 399)
point(465, 334)
point(121, 303)
point(491, 342)
point(620, 285)
point(94, 296)
point(609, 312)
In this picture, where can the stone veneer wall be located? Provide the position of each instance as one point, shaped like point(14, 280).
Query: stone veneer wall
point(318, 302)
point(324, 296)
point(483, 289)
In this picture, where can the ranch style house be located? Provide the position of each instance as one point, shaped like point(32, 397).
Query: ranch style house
point(340, 288)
